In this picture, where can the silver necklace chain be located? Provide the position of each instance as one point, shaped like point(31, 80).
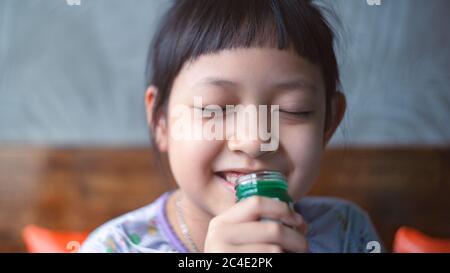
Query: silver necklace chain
point(183, 225)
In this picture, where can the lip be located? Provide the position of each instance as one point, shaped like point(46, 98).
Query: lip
point(231, 176)
point(241, 170)
point(235, 173)
point(227, 184)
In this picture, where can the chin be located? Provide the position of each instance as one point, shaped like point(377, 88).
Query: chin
point(222, 203)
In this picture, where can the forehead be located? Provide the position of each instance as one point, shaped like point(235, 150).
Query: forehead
point(252, 68)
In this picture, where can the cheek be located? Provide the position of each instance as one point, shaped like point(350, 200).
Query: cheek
point(304, 148)
point(190, 162)
point(191, 166)
point(186, 144)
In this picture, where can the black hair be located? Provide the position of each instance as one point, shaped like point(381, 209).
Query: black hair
point(192, 28)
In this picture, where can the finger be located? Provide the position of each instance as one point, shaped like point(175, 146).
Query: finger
point(256, 207)
point(267, 233)
point(301, 226)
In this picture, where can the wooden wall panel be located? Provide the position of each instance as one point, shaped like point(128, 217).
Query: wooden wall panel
point(81, 188)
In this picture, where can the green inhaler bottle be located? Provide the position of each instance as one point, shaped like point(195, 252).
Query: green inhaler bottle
point(271, 184)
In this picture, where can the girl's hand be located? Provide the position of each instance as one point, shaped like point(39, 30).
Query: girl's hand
point(239, 229)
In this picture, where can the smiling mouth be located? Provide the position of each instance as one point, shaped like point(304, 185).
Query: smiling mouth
point(229, 178)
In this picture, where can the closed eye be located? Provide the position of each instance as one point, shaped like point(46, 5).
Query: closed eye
point(218, 112)
point(222, 109)
point(297, 113)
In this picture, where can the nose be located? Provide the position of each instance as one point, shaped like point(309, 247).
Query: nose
point(248, 146)
point(246, 138)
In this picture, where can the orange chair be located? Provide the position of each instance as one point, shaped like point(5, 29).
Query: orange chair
point(410, 240)
point(42, 240)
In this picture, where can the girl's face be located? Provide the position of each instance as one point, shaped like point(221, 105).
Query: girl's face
point(255, 76)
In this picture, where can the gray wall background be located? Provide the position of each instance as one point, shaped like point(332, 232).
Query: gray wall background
point(74, 75)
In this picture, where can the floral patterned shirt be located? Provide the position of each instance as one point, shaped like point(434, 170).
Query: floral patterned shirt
point(334, 225)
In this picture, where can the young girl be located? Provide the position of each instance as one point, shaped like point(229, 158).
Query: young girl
point(234, 52)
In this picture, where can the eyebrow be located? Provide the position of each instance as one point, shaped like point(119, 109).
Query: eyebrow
point(299, 84)
point(217, 82)
point(295, 84)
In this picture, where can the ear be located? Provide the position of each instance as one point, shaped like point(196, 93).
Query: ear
point(338, 106)
point(159, 127)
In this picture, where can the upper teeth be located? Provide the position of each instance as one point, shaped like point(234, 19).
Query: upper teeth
point(231, 177)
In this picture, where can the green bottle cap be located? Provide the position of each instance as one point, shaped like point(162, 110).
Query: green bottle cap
point(271, 184)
